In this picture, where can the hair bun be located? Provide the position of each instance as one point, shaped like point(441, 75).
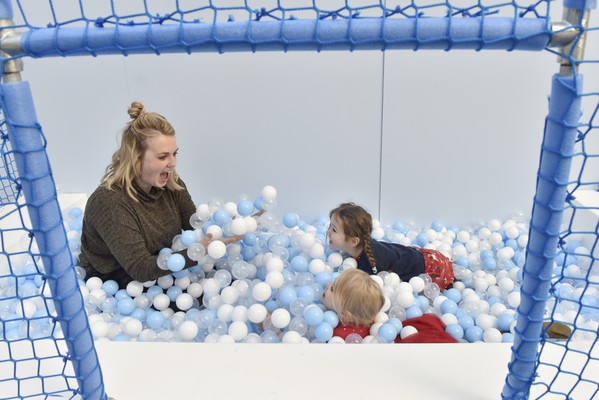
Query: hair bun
point(135, 110)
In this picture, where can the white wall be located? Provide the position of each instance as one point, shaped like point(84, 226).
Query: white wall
point(411, 135)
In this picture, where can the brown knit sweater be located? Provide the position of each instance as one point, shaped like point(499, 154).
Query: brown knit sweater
point(121, 238)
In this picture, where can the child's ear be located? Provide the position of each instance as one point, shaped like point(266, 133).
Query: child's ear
point(355, 241)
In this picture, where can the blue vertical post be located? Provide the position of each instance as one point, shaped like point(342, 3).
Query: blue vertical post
point(549, 204)
point(35, 179)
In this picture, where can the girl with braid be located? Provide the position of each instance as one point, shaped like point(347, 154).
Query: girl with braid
point(350, 232)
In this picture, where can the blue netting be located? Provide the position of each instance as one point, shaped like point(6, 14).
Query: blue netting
point(560, 278)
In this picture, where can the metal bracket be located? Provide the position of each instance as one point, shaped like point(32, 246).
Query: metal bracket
point(574, 30)
point(9, 48)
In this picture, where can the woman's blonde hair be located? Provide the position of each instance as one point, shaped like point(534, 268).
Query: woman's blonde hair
point(358, 298)
point(356, 222)
point(126, 161)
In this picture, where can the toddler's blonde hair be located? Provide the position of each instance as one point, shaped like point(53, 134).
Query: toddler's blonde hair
point(358, 298)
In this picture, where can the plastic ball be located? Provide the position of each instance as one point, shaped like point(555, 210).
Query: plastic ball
point(408, 331)
point(388, 332)
point(184, 301)
point(217, 249)
point(323, 332)
point(261, 291)
point(269, 192)
point(188, 330)
point(280, 318)
point(175, 262)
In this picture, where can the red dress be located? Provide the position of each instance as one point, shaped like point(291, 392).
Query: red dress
point(430, 330)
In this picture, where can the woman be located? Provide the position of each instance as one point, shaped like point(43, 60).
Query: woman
point(139, 206)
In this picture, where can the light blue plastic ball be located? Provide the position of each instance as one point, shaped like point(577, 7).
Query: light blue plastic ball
point(456, 331)
point(221, 216)
point(466, 321)
point(306, 292)
point(323, 332)
point(245, 208)
point(299, 263)
point(75, 212)
point(173, 292)
point(413, 312)
point(286, 295)
point(269, 337)
point(388, 332)
point(188, 238)
point(110, 287)
point(313, 315)
point(154, 319)
point(175, 262)
point(396, 322)
point(474, 334)
point(453, 294)
point(507, 337)
point(331, 317)
point(400, 227)
point(290, 220)
point(437, 226)
point(504, 321)
point(126, 306)
point(449, 306)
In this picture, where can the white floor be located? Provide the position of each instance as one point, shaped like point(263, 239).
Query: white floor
point(304, 372)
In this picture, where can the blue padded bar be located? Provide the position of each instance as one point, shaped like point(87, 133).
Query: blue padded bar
point(291, 35)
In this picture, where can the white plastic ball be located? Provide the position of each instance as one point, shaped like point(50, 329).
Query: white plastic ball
point(269, 192)
point(513, 299)
point(238, 330)
point(188, 330)
point(275, 279)
point(184, 301)
point(239, 313)
point(94, 283)
point(135, 288)
point(238, 226)
point(224, 312)
point(280, 318)
point(407, 331)
point(195, 289)
point(335, 260)
point(291, 337)
point(217, 249)
point(417, 284)
point(165, 281)
point(133, 327)
point(261, 291)
point(492, 335)
point(161, 302)
point(257, 313)
point(229, 295)
point(204, 212)
point(405, 299)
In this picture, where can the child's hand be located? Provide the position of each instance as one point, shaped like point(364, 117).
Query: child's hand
point(228, 240)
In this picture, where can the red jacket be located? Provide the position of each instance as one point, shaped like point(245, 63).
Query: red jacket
point(430, 330)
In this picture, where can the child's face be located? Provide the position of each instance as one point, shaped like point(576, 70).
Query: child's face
point(337, 238)
point(328, 296)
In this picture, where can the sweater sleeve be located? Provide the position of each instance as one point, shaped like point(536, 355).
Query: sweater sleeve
point(114, 232)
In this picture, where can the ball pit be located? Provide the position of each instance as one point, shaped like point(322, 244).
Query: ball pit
point(267, 288)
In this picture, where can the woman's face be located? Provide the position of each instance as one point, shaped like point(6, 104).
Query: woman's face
point(158, 162)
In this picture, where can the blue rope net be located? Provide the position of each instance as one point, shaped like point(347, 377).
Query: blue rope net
point(46, 346)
